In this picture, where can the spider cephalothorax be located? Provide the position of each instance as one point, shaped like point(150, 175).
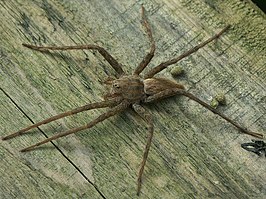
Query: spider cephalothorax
point(130, 91)
point(129, 87)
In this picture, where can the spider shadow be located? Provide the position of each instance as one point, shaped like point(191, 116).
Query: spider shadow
point(67, 58)
point(74, 65)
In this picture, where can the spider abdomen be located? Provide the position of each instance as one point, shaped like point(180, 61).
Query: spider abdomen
point(156, 84)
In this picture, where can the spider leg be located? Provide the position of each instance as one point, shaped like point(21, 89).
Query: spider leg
point(113, 111)
point(109, 58)
point(164, 65)
point(147, 116)
point(175, 91)
point(56, 117)
point(146, 60)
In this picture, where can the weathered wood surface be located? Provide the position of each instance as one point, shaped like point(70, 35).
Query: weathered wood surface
point(194, 154)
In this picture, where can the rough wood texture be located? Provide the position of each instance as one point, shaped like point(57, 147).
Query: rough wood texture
point(194, 154)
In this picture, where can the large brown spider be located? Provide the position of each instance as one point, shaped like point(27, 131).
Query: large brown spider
point(130, 91)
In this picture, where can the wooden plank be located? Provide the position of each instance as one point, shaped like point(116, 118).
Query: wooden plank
point(194, 153)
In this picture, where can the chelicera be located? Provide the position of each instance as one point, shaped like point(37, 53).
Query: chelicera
point(132, 90)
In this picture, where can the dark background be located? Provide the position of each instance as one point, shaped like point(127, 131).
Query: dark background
point(261, 4)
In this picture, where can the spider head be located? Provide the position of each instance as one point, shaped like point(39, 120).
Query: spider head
point(128, 87)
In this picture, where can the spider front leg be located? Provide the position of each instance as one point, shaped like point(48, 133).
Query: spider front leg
point(178, 91)
point(108, 57)
point(147, 116)
point(103, 104)
point(113, 111)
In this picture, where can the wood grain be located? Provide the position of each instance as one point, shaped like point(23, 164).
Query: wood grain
point(194, 154)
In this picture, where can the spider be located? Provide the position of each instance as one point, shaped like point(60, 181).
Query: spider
point(131, 90)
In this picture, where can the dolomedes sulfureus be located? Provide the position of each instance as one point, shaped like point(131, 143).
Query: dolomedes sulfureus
point(130, 91)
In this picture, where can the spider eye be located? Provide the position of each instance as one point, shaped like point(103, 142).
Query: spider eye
point(116, 85)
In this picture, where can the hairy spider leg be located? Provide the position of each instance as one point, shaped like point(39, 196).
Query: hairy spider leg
point(147, 116)
point(164, 65)
point(146, 60)
point(113, 111)
point(108, 57)
point(95, 105)
point(175, 91)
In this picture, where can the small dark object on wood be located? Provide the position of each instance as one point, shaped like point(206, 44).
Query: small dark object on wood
point(256, 146)
point(130, 91)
